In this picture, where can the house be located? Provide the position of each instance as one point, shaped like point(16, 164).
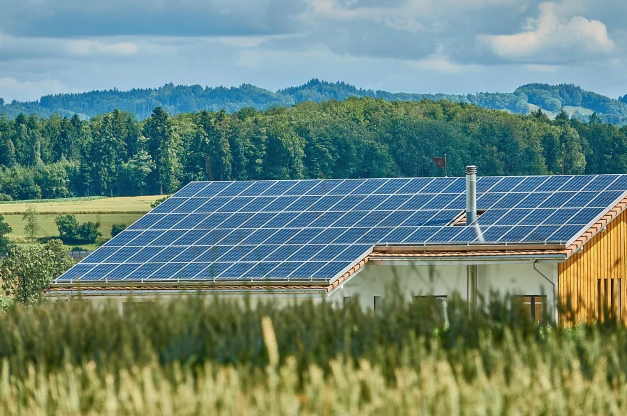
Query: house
point(546, 239)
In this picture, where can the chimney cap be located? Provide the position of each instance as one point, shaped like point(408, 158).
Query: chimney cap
point(471, 170)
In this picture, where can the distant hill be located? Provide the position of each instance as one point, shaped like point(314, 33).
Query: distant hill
point(576, 102)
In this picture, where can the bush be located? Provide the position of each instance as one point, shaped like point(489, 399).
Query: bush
point(117, 229)
point(158, 201)
point(4, 197)
point(71, 231)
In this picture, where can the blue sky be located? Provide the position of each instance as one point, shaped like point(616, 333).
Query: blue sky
point(451, 46)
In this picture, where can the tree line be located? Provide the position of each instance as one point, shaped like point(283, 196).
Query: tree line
point(115, 154)
point(178, 99)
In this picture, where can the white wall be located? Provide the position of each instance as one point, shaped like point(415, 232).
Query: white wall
point(439, 279)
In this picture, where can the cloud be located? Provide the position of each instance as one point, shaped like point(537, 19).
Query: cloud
point(551, 40)
point(28, 90)
point(80, 18)
point(12, 48)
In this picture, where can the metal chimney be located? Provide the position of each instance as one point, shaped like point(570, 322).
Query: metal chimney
point(471, 194)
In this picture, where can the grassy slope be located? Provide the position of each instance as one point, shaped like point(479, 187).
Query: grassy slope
point(106, 211)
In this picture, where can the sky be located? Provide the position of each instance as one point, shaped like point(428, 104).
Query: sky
point(421, 46)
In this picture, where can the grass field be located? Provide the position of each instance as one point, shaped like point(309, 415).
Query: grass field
point(192, 356)
point(106, 211)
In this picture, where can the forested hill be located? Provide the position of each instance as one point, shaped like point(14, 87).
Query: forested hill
point(576, 102)
point(116, 154)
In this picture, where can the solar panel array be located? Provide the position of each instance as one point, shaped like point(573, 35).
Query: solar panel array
point(318, 229)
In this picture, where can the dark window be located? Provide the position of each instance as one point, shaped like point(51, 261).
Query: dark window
point(609, 298)
point(434, 305)
point(378, 302)
point(532, 305)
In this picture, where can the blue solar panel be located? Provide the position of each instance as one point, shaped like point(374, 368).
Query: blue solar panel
point(284, 270)
point(507, 184)
point(530, 184)
point(190, 205)
point(168, 205)
point(301, 187)
point(331, 269)
point(279, 204)
point(369, 187)
point(121, 255)
point(258, 220)
point(191, 189)
point(122, 271)
point(315, 229)
point(213, 189)
point(584, 217)
point(351, 235)
point(146, 221)
point(305, 253)
point(486, 183)
point(353, 252)
point(346, 187)
point(513, 217)
point(391, 186)
point(258, 204)
point(304, 236)
point(325, 203)
point(257, 188)
point(605, 199)
point(235, 204)
point(375, 235)
point(581, 199)
point(235, 220)
point(144, 271)
point(307, 270)
point(328, 253)
point(167, 238)
point(373, 218)
point(260, 252)
point(304, 219)
point(349, 219)
point(370, 202)
point(553, 183)
point(427, 186)
point(123, 238)
point(144, 254)
point(99, 272)
point(620, 184)
point(212, 237)
point(328, 235)
point(260, 270)
point(281, 236)
point(190, 253)
point(443, 235)
point(302, 203)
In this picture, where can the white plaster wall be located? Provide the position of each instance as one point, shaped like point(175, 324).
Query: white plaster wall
point(439, 279)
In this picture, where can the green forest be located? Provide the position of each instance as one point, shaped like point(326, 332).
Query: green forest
point(577, 102)
point(115, 154)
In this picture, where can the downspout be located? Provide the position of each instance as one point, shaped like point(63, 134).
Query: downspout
point(533, 263)
point(471, 218)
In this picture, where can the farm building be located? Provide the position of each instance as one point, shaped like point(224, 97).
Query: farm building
point(544, 239)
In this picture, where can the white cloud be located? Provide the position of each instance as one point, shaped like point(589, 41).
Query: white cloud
point(551, 39)
point(11, 88)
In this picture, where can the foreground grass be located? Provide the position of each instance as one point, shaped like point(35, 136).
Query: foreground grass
point(192, 356)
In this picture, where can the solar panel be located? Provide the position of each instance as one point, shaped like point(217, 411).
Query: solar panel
point(316, 229)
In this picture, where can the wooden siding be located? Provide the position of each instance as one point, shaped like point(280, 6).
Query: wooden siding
point(596, 277)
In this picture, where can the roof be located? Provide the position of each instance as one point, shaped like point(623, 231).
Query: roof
point(316, 231)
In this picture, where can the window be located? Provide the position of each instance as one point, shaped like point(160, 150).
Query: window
point(435, 304)
point(532, 305)
point(378, 301)
point(609, 298)
point(346, 300)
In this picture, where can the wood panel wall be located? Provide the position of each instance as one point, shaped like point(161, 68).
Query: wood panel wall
point(596, 277)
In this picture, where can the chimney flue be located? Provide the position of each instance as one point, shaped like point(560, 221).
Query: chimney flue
point(471, 194)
